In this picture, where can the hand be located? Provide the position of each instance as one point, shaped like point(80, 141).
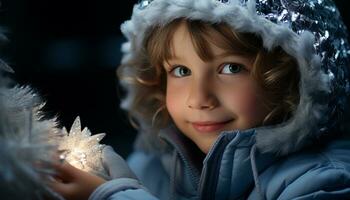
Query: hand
point(115, 165)
point(72, 183)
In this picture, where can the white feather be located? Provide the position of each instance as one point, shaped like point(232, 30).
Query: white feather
point(24, 142)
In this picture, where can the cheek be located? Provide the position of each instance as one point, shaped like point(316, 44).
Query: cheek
point(251, 106)
point(173, 100)
point(170, 102)
point(245, 101)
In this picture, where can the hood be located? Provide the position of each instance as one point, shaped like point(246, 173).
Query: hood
point(309, 30)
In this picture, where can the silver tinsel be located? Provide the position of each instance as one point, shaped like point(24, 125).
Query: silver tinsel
point(144, 3)
point(322, 18)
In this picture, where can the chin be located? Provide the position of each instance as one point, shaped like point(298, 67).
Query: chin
point(205, 148)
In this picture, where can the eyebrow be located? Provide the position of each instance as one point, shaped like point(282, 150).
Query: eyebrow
point(231, 53)
point(225, 54)
point(222, 55)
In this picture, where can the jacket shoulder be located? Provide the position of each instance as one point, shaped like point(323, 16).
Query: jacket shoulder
point(320, 174)
point(323, 182)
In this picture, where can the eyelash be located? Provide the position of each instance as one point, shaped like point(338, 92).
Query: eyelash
point(241, 67)
point(221, 67)
point(173, 68)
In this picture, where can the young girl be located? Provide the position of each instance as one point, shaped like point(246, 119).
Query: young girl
point(234, 99)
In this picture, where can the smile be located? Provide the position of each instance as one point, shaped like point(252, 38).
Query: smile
point(207, 127)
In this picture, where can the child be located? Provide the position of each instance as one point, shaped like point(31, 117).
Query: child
point(234, 99)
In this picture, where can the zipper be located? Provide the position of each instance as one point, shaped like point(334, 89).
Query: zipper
point(209, 177)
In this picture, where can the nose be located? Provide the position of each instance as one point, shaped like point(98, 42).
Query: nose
point(202, 95)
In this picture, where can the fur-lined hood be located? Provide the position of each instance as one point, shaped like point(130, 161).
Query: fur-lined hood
point(309, 30)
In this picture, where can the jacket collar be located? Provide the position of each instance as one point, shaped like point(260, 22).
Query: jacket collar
point(232, 155)
point(186, 149)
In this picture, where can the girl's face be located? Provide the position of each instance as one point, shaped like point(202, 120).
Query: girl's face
point(207, 97)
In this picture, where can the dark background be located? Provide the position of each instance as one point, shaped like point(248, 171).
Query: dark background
point(68, 50)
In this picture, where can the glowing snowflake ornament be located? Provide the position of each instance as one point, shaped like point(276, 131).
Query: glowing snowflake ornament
point(82, 150)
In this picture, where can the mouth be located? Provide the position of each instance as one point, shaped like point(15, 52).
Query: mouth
point(209, 126)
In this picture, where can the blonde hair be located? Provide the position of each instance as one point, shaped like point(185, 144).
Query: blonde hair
point(275, 71)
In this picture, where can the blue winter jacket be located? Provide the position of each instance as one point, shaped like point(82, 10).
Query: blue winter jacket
point(234, 169)
point(301, 158)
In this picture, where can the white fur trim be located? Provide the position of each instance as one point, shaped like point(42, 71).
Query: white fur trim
point(25, 139)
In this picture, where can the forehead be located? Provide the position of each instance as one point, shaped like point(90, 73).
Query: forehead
point(165, 42)
point(182, 44)
point(184, 39)
point(207, 43)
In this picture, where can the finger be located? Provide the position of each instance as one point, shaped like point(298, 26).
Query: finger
point(64, 189)
point(64, 171)
point(45, 170)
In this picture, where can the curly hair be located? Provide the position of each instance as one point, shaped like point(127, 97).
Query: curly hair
point(275, 71)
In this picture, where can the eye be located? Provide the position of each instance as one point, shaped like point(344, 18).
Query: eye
point(231, 68)
point(180, 71)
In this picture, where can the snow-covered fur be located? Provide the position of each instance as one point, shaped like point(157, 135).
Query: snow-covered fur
point(308, 122)
point(25, 140)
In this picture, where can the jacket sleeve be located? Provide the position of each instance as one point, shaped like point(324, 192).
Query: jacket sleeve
point(121, 188)
point(151, 179)
point(326, 182)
